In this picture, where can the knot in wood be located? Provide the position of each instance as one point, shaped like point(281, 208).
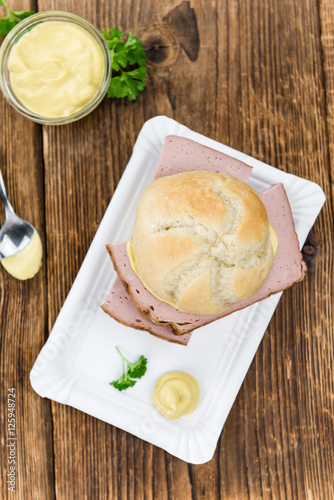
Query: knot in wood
point(160, 46)
point(308, 249)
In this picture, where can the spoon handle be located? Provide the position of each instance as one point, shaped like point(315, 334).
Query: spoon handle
point(4, 198)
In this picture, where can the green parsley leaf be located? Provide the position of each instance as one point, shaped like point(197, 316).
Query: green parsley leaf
point(123, 383)
point(22, 14)
point(130, 84)
point(128, 63)
point(13, 18)
point(138, 369)
point(131, 371)
point(7, 24)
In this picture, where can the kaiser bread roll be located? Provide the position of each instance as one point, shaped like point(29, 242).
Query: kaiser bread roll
point(201, 241)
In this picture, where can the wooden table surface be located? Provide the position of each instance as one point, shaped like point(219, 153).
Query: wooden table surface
point(257, 75)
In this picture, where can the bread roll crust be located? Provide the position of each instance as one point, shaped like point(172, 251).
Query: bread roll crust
point(201, 241)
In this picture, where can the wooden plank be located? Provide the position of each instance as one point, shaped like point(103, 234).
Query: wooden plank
point(23, 314)
point(326, 8)
point(278, 439)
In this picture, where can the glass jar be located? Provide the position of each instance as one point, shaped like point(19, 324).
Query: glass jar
point(26, 26)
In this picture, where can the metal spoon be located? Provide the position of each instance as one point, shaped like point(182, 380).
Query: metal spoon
point(16, 233)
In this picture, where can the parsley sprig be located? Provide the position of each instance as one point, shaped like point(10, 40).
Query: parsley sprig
point(128, 63)
point(13, 18)
point(131, 371)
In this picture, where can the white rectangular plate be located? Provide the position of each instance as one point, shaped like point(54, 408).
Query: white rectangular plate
point(79, 359)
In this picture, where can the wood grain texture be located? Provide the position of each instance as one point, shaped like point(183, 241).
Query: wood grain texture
point(257, 75)
point(326, 10)
point(276, 108)
point(23, 314)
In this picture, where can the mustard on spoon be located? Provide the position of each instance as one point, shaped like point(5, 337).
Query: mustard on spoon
point(20, 244)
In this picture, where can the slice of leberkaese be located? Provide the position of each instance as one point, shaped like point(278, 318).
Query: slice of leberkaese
point(288, 268)
point(180, 154)
point(119, 306)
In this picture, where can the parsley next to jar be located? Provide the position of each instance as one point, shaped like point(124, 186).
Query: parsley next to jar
point(56, 69)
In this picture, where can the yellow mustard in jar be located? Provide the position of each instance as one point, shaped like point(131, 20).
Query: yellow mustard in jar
point(176, 394)
point(56, 69)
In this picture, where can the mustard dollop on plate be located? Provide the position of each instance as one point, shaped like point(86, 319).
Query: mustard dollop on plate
point(176, 394)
